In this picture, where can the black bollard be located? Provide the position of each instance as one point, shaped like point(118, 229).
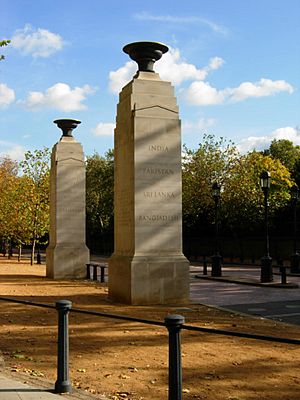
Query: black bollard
point(204, 266)
point(174, 324)
point(63, 383)
point(282, 270)
point(102, 275)
point(88, 271)
point(95, 272)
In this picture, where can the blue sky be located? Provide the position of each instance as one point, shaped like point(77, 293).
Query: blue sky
point(235, 66)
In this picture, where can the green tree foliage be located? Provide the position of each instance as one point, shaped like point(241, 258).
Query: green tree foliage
point(99, 193)
point(242, 198)
point(285, 151)
point(213, 161)
point(34, 190)
point(2, 44)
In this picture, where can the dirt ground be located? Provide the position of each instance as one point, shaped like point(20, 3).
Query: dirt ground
point(129, 360)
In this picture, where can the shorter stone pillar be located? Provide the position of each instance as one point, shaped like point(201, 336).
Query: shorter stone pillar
point(67, 252)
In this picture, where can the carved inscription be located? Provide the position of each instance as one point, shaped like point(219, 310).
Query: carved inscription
point(157, 171)
point(158, 148)
point(157, 218)
point(159, 195)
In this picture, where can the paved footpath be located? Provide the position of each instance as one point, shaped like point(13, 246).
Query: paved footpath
point(233, 293)
point(12, 389)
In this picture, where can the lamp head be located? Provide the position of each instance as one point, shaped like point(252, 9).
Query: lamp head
point(265, 180)
point(216, 190)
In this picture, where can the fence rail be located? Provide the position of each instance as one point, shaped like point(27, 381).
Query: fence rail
point(173, 323)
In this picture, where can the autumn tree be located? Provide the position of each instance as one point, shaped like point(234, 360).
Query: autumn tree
point(34, 192)
point(212, 162)
point(8, 182)
point(242, 198)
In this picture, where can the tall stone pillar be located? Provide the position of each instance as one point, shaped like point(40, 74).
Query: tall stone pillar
point(147, 266)
point(67, 253)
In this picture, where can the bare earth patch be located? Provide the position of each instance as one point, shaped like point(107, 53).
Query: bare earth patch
point(129, 360)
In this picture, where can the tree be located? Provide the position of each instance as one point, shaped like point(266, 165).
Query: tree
point(99, 195)
point(285, 151)
point(242, 198)
point(34, 191)
point(8, 181)
point(2, 44)
point(212, 162)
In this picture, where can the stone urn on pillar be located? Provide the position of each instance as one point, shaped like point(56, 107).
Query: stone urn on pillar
point(147, 266)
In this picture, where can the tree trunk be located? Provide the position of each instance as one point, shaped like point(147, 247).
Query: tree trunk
point(10, 250)
point(32, 252)
point(20, 252)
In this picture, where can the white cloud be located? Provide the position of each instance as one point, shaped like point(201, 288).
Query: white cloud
point(265, 87)
point(202, 123)
point(171, 67)
point(289, 133)
point(215, 63)
point(263, 142)
point(104, 129)
point(7, 95)
point(14, 151)
point(118, 78)
point(202, 93)
point(145, 16)
point(38, 43)
point(60, 97)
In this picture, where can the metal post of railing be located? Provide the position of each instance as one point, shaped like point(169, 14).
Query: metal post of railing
point(88, 271)
point(174, 324)
point(282, 270)
point(63, 383)
point(102, 268)
point(95, 272)
point(204, 265)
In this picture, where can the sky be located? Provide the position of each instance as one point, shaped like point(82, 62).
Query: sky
point(234, 65)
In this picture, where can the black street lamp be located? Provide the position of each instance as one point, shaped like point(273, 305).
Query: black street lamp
point(216, 259)
point(266, 260)
point(295, 256)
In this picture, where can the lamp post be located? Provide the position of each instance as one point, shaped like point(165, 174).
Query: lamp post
point(266, 260)
point(216, 258)
point(295, 256)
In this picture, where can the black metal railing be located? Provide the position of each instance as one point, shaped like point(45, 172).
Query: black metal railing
point(173, 323)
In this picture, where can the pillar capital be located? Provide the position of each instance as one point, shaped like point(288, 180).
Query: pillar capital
point(67, 125)
point(145, 54)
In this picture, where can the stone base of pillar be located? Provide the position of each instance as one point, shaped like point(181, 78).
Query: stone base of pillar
point(142, 280)
point(67, 262)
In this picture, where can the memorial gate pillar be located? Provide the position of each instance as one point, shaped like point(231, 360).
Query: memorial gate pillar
point(67, 252)
point(147, 266)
